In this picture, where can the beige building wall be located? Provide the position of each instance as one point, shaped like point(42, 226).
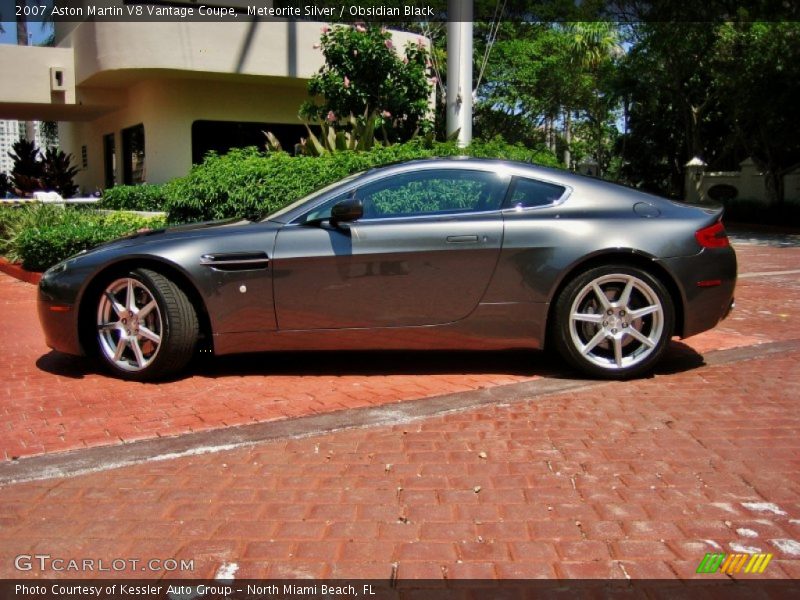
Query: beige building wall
point(164, 75)
point(167, 108)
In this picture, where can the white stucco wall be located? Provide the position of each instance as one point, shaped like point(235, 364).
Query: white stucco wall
point(167, 108)
point(164, 75)
point(25, 74)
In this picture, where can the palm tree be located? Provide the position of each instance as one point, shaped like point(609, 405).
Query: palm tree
point(589, 45)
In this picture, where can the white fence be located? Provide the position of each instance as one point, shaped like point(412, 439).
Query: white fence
point(49, 198)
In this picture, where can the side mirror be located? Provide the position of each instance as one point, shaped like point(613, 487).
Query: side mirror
point(346, 211)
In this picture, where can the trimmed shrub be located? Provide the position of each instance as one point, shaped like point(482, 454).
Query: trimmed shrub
point(14, 219)
point(41, 236)
point(248, 183)
point(133, 197)
point(755, 211)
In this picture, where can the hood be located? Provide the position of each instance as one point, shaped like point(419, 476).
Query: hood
point(145, 236)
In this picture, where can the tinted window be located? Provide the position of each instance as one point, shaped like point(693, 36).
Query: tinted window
point(432, 192)
point(323, 211)
point(529, 192)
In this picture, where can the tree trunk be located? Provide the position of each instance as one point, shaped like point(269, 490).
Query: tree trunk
point(567, 139)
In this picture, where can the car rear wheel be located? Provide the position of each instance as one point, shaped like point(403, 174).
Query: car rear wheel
point(146, 326)
point(614, 322)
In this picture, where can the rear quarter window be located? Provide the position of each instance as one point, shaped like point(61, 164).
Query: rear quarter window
point(530, 193)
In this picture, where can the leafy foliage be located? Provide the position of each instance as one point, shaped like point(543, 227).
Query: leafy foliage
point(34, 171)
point(786, 214)
point(27, 171)
point(544, 80)
point(720, 91)
point(42, 235)
point(364, 77)
point(58, 173)
point(5, 184)
point(757, 76)
point(134, 197)
point(247, 183)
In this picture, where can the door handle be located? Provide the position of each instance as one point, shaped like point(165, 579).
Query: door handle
point(461, 239)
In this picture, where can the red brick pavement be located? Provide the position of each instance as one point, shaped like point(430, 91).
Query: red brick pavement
point(636, 479)
point(50, 402)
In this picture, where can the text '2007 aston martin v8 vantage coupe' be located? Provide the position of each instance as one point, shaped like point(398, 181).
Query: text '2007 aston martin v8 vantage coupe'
point(430, 254)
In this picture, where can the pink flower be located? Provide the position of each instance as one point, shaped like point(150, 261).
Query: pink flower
point(386, 114)
point(325, 29)
point(361, 29)
point(388, 44)
point(433, 79)
point(331, 117)
point(421, 42)
point(346, 81)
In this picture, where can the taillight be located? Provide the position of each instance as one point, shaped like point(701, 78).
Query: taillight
point(713, 236)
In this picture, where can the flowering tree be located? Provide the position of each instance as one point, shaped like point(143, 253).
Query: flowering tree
point(364, 76)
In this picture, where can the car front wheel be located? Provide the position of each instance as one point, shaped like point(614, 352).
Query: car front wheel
point(614, 322)
point(146, 326)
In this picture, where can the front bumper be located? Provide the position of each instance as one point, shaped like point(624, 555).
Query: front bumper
point(707, 283)
point(59, 321)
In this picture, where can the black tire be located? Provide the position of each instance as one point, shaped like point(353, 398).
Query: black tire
point(152, 341)
point(608, 340)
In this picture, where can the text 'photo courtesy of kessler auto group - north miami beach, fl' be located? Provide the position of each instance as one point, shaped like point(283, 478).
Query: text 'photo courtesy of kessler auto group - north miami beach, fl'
point(452, 299)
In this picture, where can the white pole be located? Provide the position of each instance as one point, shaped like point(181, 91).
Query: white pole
point(459, 70)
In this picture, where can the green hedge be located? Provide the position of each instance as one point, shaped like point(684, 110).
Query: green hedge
point(41, 236)
point(755, 211)
point(134, 197)
point(249, 183)
point(243, 183)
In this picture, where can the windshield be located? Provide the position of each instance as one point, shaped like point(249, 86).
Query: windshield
point(277, 214)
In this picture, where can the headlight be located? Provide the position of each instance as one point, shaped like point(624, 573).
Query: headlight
point(55, 269)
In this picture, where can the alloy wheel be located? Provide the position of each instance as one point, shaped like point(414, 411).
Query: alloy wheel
point(616, 321)
point(129, 324)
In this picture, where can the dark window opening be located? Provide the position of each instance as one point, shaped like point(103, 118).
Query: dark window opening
point(221, 136)
point(109, 160)
point(530, 193)
point(432, 192)
point(133, 155)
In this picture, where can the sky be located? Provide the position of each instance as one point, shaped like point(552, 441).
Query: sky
point(37, 32)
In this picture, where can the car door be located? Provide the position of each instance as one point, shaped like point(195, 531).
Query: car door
point(422, 254)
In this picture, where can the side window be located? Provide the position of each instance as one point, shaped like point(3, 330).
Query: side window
point(323, 211)
point(530, 193)
point(432, 192)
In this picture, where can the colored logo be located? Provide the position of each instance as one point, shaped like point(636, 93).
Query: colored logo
point(734, 563)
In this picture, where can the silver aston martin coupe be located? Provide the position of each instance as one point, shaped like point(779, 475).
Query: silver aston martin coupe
point(431, 254)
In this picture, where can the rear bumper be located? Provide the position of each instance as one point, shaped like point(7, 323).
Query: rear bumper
point(707, 282)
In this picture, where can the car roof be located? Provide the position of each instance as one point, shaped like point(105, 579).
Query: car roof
point(518, 167)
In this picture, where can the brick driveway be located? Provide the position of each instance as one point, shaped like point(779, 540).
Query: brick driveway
point(51, 402)
point(636, 479)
